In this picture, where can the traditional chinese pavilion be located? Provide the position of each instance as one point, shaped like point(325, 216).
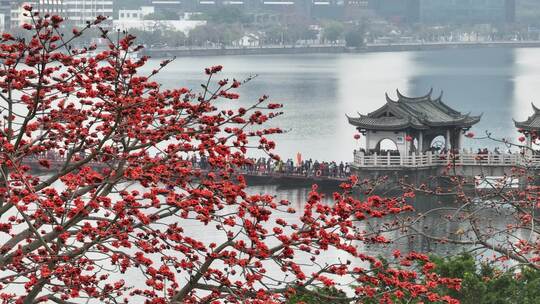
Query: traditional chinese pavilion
point(530, 127)
point(412, 123)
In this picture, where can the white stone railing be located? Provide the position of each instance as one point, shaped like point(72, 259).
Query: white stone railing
point(429, 159)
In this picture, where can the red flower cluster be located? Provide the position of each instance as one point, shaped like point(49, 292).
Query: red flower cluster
point(213, 70)
point(120, 214)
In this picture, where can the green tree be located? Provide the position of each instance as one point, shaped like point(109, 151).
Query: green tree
point(333, 31)
point(151, 37)
point(162, 15)
point(175, 38)
point(354, 37)
point(220, 34)
point(485, 284)
point(200, 35)
point(228, 15)
point(299, 30)
point(274, 34)
point(321, 295)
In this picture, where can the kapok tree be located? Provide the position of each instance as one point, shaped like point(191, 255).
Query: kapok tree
point(496, 219)
point(100, 201)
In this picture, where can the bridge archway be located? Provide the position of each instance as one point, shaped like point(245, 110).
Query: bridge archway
point(437, 143)
point(386, 145)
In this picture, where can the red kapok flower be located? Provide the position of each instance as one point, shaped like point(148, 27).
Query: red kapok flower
point(45, 163)
point(213, 70)
point(521, 138)
point(356, 136)
point(56, 19)
point(469, 135)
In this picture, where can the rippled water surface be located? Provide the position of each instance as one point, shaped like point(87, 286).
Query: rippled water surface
point(319, 90)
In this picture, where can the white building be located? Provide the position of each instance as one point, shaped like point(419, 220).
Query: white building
point(18, 17)
point(249, 40)
point(131, 15)
point(150, 25)
point(135, 19)
point(81, 11)
point(76, 12)
point(3, 25)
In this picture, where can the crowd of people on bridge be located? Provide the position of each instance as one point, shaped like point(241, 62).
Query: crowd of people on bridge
point(264, 166)
point(304, 167)
point(269, 166)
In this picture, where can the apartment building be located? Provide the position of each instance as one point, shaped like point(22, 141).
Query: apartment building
point(76, 12)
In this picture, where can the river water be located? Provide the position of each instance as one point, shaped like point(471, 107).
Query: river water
point(319, 90)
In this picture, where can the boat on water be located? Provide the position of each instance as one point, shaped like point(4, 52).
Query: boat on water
point(90, 54)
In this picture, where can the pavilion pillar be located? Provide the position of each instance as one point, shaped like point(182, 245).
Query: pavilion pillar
point(420, 142)
point(447, 140)
point(459, 141)
point(367, 143)
point(528, 150)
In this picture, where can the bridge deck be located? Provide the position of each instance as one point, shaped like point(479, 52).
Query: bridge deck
point(428, 159)
point(253, 176)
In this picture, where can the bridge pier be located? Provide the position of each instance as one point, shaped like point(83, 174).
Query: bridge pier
point(424, 168)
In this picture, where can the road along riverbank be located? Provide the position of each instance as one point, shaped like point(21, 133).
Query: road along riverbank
point(330, 49)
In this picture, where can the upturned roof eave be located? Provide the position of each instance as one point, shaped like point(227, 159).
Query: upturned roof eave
point(525, 125)
point(389, 128)
point(466, 121)
point(381, 125)
point(426, 97)
point(405, 109)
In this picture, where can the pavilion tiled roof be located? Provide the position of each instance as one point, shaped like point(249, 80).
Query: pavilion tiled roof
point(413, 112)
point(532, 123)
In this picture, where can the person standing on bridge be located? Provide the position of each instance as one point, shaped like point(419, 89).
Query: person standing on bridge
point(316, 167)
point(269, 165)
point(204, 162)
point(290, 166)
point(194, 161)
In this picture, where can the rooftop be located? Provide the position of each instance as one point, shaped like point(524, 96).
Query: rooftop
point(420, 113)
point(532, 123)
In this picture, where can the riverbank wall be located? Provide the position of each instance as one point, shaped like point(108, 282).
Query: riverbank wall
point(184, 52)
point(331, 49)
